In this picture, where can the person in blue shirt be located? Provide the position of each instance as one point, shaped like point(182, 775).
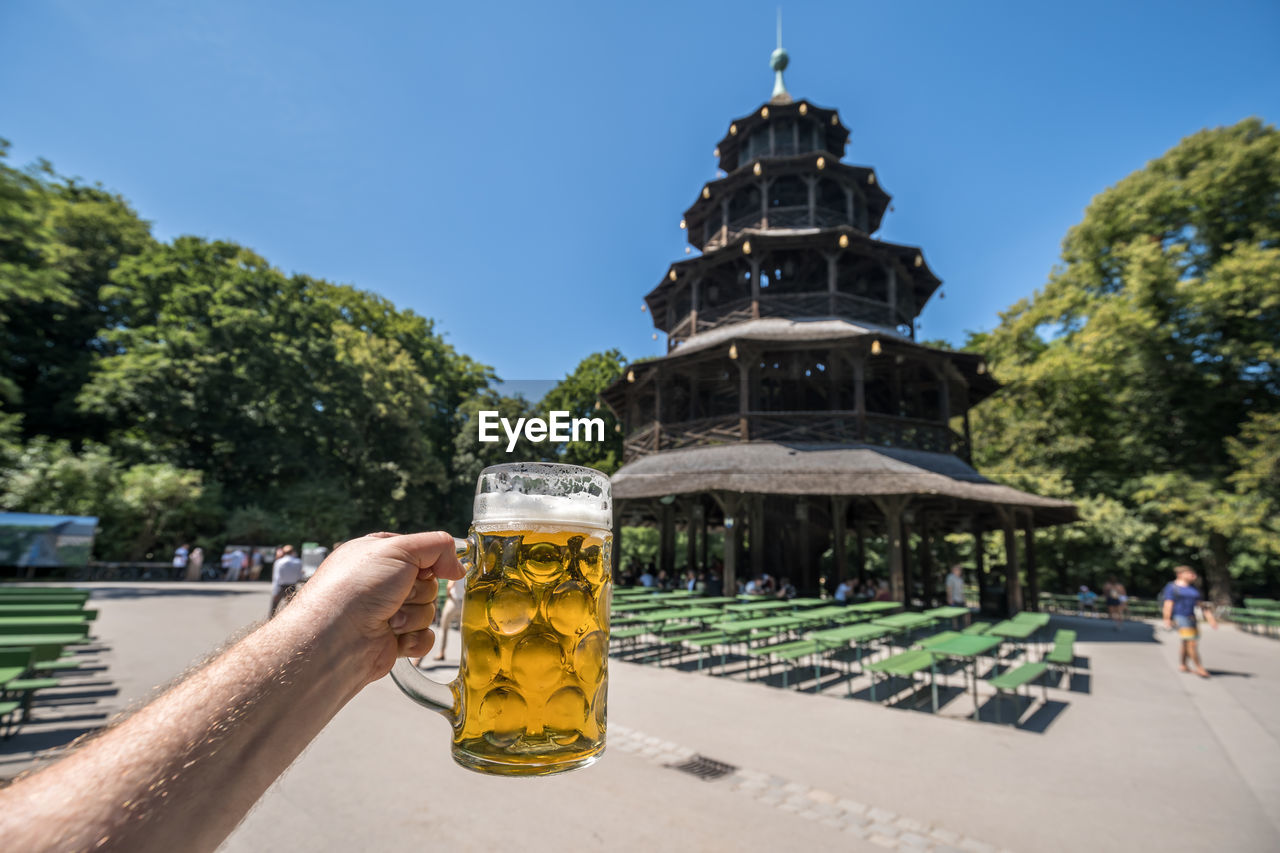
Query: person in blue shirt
point(1181, 598)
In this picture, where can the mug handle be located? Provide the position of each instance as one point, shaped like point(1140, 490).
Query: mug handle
point(428, 692)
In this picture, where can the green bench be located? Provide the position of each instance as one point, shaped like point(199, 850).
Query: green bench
point(788, 652)
point(906, 664)
point(977, 628)
point(1063, 653)
point(1012, 680)
point(18, 686)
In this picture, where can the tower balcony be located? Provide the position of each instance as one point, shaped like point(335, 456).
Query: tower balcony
point(815, 427)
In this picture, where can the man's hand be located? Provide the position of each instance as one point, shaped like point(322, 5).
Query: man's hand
point(380, 591)
point(1168, 624)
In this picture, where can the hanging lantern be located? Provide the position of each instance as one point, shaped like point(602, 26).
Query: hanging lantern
point(982, 367)
point(871, 179)
point(716, 153)
point(733, 130)
point(746, 248)
point(682, 225)
point(631, 376)
point(644, 307)
point(764, 112)
point(706, 192)
point(821, 164)
point(875, 347)
point(733, 351)
point(804, 109)
point(835, 119)
point(757, 170)
point(844, 241)
point(655, 336)
point(919, 260)
point(672, 275)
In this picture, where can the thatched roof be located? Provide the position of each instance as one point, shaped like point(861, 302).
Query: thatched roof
point(822, 469)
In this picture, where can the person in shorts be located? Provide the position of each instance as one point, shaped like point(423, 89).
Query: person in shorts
point(1181, 599)
point(452, 613)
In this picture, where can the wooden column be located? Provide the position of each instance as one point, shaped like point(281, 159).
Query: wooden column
point(691, 536)
point(755, 525)
point(860, 397)
point(755, 289)
point(860, 549)
point(1012, 580)
point(657, 410)
point(968, 438)
point(693, 306)
point(979, 554)
point(831, 284)
point(1033, 580)
point(892, 507)
point(839, 507)
point(616, 549)
point(804, 561)
point(908, 567)
point(666, 538)
point(811, 184)
point(704, 540)
point(744, 397)
point(729, 505)
point(925, 561)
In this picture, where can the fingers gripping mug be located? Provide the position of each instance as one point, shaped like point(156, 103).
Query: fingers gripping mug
point(530, 695)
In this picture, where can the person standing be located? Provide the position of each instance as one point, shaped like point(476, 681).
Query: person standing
point(286, 574)
point(1181, 598)
point(1114, 594)
point(195, 563)
point(955, 587)
point(451, 614)
point(181, 556)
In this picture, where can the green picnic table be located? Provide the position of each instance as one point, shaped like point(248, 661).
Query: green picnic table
point(754, 606)
point(1011, 629)
point(876, 606)
point(1027, 618)
point(949, 612)
point(824, 614)
point(43, 624)
point(904, 621)
point(636, 606)
point(694, 601)
point(858, 635)
point(765, 622)
point(967, 648)
point(807, 602)
point(7, 609)
point(52, 640)
point(671, 613)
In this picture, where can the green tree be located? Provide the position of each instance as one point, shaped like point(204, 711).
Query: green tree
point(579, 394)
point(1132, 372)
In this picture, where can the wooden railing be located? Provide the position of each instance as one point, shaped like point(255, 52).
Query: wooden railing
point(817, 427)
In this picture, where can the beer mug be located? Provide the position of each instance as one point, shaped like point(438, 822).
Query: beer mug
point(530, 695)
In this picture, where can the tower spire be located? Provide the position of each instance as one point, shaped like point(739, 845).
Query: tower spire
point(778, 62)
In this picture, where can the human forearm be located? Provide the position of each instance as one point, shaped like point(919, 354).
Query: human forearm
point(226, 732)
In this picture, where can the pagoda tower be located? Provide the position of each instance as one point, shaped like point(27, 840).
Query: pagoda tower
point(794, 405)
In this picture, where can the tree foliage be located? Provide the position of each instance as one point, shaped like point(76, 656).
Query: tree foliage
point(1145, 375)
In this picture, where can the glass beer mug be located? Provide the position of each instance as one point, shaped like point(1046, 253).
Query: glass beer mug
point(530, 695)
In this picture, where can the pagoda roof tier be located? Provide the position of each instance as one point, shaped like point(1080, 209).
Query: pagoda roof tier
point(866, 471)
point(781, 333)
point(808, 164)
point(834, 138)
point(842, 238)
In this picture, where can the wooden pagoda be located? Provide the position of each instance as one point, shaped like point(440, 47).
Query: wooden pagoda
point(794, 406)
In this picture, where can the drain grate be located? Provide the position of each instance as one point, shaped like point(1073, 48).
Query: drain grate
point(706, 769)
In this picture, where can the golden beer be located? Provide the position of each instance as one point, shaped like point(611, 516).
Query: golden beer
point(533, 681)
point(535, 649)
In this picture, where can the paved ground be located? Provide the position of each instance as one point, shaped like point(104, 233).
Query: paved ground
point(1129, 755)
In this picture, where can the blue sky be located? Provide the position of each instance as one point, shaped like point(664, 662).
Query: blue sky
point(517, 171)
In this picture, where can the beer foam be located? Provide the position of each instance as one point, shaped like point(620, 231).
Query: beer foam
point(570, 510)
